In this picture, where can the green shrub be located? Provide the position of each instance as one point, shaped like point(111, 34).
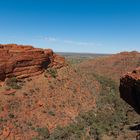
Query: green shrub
point(35, 138)
point(13, 83)
point(110, 112)
point(11, 115)
point(71, 132)
point(51, 112)
point(107, 84)
point(3, 120)
point(43, 132)
point(51, 71)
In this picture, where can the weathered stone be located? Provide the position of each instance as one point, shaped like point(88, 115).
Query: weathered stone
point(25, 61)
point(130, 89)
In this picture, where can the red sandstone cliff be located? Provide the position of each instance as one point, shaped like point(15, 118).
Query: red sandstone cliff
point(25, 61)
point(130, 89)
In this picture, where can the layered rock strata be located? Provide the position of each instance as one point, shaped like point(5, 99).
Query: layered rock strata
point(25, 61)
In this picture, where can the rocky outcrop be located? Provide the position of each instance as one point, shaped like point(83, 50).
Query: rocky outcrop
point(130, 89)
point(25, 61)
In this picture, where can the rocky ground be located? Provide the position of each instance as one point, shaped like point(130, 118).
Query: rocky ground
point(43, 101)
point(67, 100)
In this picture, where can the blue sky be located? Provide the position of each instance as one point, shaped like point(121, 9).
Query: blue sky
point(96, 26)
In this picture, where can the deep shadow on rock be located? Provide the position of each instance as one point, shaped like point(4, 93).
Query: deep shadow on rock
point(130, 89)
point(135, 127)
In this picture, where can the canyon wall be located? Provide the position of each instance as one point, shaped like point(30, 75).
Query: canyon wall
point(25, 61)
point(130, 88)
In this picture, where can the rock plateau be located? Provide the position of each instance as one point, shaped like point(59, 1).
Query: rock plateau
point(25, 61)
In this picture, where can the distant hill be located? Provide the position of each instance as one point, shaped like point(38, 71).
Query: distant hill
point(74, 54)
point(113, 66)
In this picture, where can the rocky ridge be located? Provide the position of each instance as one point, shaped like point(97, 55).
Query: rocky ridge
point(25, 61)
point(116, 64)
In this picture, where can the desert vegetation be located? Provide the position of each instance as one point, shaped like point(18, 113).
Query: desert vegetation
point(14, 83)
point(108, 118)
point(52, 72)
point(75, 102)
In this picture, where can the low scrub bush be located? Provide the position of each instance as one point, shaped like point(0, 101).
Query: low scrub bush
point(14, 83)
point(51, 71)
point(43, 133)
point(106, 119)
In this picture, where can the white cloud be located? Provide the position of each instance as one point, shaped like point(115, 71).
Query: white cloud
point(51, 39)
point(79, 43)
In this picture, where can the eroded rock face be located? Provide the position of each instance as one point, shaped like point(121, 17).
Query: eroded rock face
point(25, 61)
point(130, 89)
